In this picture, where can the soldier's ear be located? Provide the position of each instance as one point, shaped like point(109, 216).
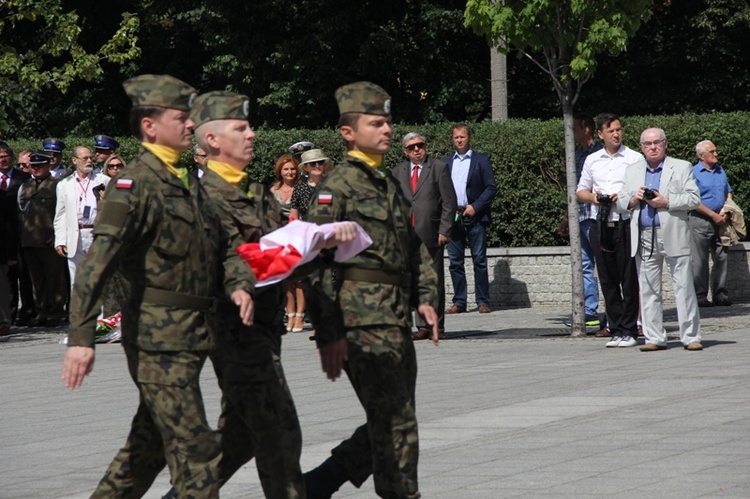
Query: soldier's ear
point(348, 133)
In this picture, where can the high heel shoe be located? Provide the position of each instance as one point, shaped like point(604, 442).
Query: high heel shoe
point(290, 321)
point(299, 319)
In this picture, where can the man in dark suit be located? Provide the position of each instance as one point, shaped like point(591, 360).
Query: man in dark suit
point(426, 182)
point(475, 187)
point(10, 180)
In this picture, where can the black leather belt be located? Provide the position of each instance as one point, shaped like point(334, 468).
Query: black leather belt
point(85, 226)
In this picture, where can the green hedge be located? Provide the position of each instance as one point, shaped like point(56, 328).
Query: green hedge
point(527, 157)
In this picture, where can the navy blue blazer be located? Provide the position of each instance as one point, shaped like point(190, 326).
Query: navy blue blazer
point(480, 184)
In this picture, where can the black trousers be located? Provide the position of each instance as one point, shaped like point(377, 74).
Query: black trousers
point(617, 275)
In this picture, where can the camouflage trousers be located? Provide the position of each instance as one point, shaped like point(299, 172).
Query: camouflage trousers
point(382, 368)
point(258, 418)
point(169, 428)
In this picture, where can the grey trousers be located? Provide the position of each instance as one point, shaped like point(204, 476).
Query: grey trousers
point(650, 265)
point(704, 240)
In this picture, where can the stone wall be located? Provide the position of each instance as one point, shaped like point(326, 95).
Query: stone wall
point(531, 277)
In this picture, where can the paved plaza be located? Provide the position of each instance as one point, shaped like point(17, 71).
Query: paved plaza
point(508, 406)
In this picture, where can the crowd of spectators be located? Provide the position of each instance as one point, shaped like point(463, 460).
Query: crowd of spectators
point(48, 208)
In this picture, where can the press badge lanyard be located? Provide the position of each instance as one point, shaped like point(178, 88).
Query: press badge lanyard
point(82, 211)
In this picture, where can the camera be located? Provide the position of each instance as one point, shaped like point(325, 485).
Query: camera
point(98, 190)
point(649, 194)
point(605, 206)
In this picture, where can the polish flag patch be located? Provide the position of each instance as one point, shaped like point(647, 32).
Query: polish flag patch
point(124, 183)
point(325, 198)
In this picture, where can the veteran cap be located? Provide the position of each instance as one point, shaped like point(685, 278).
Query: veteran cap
point(300, 147)
point(363, 97)
point(219, 105)
point(53, 145)
point(39, 158)
point(105, 142)
point(160, 90)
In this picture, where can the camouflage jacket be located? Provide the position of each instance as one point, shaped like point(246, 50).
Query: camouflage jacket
point(163, 237)
point(354, 191)
point(36, 201)
point(250, 216)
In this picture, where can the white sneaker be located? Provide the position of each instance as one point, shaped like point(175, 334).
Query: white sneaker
point(614, 342)
point(627, 341)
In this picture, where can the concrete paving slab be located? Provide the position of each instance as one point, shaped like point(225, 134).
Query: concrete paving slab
point(508, 406)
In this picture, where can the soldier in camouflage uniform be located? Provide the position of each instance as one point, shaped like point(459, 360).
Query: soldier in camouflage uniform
point(258, 414)
point(363, 321)
point(36, 200)
point(156, 227)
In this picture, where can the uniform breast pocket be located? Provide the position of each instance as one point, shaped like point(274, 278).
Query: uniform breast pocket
point(371, 208)
point(178, 227)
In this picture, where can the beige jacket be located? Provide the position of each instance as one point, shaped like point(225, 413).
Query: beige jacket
point(734, 230)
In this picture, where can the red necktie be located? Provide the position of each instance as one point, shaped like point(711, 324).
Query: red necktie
point(414, 179)
point(4, 183)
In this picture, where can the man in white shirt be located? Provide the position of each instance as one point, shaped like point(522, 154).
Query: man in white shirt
point(602, 178)
point(76, 209)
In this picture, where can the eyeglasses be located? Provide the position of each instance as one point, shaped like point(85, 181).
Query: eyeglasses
point(114, 165)
point(414, 147)
point(712, 151)
point(316, 163)
point(5, 156)
point(656, 143)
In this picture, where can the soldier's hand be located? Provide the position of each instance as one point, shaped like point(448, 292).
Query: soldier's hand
point(332, 358)
point(345, 232)
point(443, 239)
point(78, 363)
point(243, 300)
point(62, 250)
point(431, 317)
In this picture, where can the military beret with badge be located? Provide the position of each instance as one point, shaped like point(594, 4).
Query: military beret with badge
point(363, 97)
point(160, 90)
point(219, 105)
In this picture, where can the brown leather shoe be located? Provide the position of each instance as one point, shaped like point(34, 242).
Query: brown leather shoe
point(603, 333)
point(422, 334)
point(484, 309)
point(694, 346)
point(652, 347)
point(456, 309)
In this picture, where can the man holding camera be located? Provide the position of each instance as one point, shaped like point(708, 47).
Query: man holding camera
point(602, 178)
point(659, 193)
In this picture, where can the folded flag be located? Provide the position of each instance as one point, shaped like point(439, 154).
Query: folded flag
point(278, 253)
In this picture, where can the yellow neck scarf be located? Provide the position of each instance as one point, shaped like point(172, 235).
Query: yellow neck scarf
point(227, 172)
point(167, 155)
point(372, 160)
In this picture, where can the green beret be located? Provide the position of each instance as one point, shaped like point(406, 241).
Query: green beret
point(160, 90)
point(363, 97)
point(219, 105)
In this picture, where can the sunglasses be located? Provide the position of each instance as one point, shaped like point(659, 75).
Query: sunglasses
point(414, 147)
point(114, 165)
point(316, 163)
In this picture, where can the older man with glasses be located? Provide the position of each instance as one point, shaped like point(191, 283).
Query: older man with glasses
point(705, 222)
point(427, 183)
point(659, 192)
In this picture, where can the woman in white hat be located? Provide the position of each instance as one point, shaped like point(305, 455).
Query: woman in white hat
point(316, 164)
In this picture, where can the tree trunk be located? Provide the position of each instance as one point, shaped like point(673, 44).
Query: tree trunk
point(579, 318)
point(498, 85)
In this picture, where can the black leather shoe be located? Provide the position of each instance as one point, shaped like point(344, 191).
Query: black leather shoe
point(705, 304)
point(722, 302)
